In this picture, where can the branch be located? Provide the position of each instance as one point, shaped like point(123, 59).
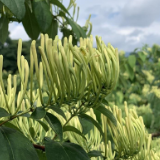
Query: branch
point(39, 147)
point(15, 116)
point(155, 135)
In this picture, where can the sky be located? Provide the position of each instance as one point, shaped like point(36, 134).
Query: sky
point(126, 24)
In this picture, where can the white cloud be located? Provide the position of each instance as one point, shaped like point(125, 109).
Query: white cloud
point(126, 24)
point(17, 31)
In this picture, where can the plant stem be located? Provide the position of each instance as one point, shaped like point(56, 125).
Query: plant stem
point(70, 118)
point(15, 116)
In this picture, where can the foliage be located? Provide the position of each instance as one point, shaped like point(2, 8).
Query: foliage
point(42, 16)
point(139, 84)
point(69, 81)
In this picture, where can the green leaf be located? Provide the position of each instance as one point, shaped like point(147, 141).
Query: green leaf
point(107, 113)
point(45, 127)
point(81, 30)
point(10, 125)
point(32, 132)
point(24, 115)
point(41, 155)
point(132, 60)
point(17, 7)
point(53, 29)
point(64, 151)
point(90, 119)
point(30, 24)
point(95, 153)
point(42, 14)
point(55, 124)
point(4, 113)
point(66, 33)
point(18, 146)
point(86, 125)
point(142, 56)
point(58, 111)
point(60, 5)
point(1, 7)
point(73, 129)
point(74, 27)
point(130, 71)
point(3, 148)
point(38, 113)
point(3, 28)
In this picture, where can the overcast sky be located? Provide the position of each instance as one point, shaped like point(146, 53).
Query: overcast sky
point(126, 24)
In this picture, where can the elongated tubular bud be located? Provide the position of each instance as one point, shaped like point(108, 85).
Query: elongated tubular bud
point(41, 74)
point(14, 92)
point(42, 41)
point(36, 67)
point(74, 81)
point(2, 85)
point(31, 76)
point(25, 85)
point(19, 55)
point(9, 87)
point(49, 54)
point(47, 67)
point(60, 77)
point(66, 70)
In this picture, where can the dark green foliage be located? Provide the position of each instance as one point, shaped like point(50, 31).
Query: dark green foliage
point(73, 129)
point(139, 84)
point(15, 145)
point(42, 14)
point(38, 16)
point(17, 7)
point(55, 124)
point(31, 25)
point(38, 113)
point(3, 28)
point(64, 151)
point(4, 113)
point(95, 153)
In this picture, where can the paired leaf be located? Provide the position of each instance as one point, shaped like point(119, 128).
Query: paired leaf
point(64, 151)
point(79, 32)
point(32, 132)
point(107, 113)
point(18, 146)
point(3, 148)
point(41, 155)
point(58, 111)
point(55, 124)
point(86, 125)
point(73, 129)
point(132, 60)
point(130, 71)
point(38, 113)
point(10, 125)
point(17, 7)
point(90, 119)
point(42, 14)
point(95, 153)
point(24, 115)
point(142, 56)
point(45, 127)
point(60, 5)
point(3, 28)
point(74, 27)
point(53, 29)
point(30, 24)
point(4, 113)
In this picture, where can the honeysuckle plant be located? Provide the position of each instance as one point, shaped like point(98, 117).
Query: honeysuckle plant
point(70, 81)
point(59, 112)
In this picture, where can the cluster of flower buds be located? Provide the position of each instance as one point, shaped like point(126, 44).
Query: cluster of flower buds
point(75, 73)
